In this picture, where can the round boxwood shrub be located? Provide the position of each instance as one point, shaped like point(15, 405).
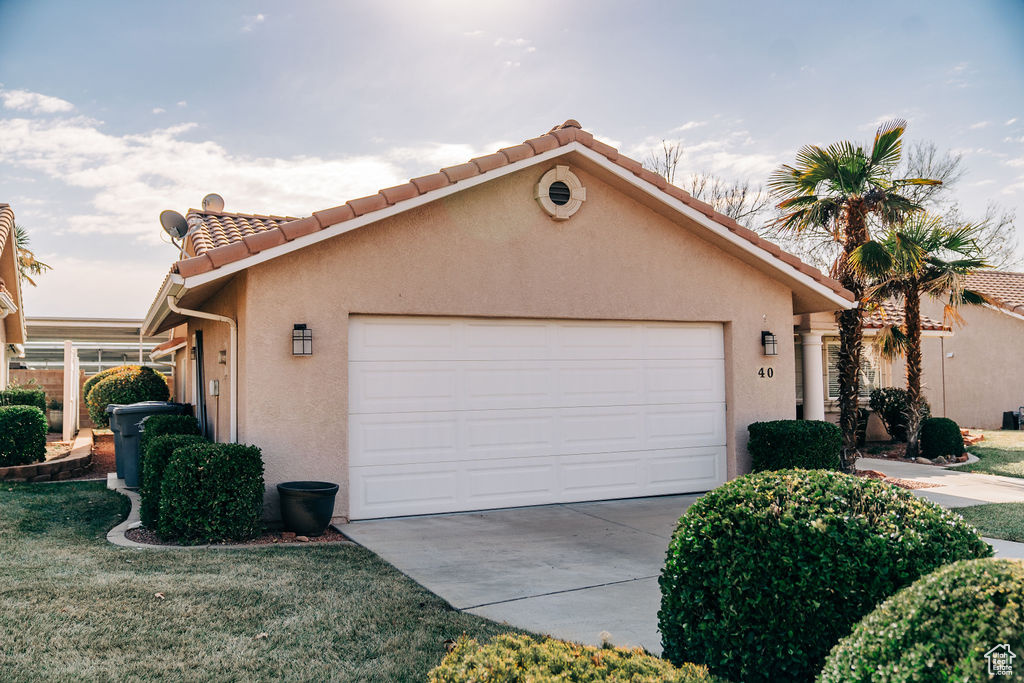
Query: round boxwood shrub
point(521, 659)
point(161, 425)
point(766, 573)
point(92, 381)
point(937, 629)
point(23, 396)
point(212, 492)
point(153, 462)
point(22, 435)
point(132, 385)
point(940, 436)
point(784, 444)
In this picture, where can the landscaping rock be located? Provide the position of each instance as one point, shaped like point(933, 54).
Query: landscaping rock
point(302, 539)
point(922, 461)
point(962, 458)
point(288, 535)
point(941, 460)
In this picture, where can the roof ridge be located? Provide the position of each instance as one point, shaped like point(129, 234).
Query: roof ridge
point(559, 136)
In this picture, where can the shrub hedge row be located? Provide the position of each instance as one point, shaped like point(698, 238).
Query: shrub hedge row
point(522, 659)
point(161, 425)
point(23, 396)
point(132, 385)
point(784, 444)
point(154, 458)
point(22, 435)
point(767, 572)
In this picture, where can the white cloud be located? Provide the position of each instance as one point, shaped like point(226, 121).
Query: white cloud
point(689, 125)
point(182, 104)
point(250, 22)
point(512, 42)
point(1010, 122)
point(23, 100)
point(512, 65)
point(158, 110)
point(1020, 139)
point(101, 288)
point(979, 124)
point(473, 34)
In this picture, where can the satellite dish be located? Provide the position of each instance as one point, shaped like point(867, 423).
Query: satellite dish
point(174, 224)
point(213, 202)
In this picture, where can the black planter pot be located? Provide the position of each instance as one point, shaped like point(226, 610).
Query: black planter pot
point(307, 506)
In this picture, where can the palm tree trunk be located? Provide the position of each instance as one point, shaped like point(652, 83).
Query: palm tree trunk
point(912, 314)
point(851, 329)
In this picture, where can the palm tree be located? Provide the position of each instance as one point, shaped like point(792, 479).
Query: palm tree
point(28, 264)
point(837, 191)
point(921, 256)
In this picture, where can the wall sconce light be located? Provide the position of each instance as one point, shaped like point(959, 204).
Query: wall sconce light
point(302, 340)
point(770, 344)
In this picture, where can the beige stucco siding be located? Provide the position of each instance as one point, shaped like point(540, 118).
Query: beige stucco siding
point(488, 251)
point(985, 374)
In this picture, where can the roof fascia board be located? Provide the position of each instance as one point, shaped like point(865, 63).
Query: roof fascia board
point(1004, 311)
point(153, 355)
point(173, 284)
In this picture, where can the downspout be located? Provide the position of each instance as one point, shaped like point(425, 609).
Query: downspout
point(232, 368)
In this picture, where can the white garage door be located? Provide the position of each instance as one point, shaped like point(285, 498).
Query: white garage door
point(449, 414)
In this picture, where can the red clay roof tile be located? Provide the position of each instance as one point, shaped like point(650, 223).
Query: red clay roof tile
point(399, 193)
point(334, 215)
point(604, 150)
point(373, 202)
point(517, 152)
point(229, 253)
point(296, 229)
point(461, 172)
point(490, 162)
point(1002, 288)
point(196, 265)
point(543, 143)
point(264, 240)
point(891, 314)
point(429, 183)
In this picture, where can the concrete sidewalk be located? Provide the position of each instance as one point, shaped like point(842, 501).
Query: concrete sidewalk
point(957, 489)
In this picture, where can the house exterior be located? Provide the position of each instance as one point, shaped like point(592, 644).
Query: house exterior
point(12, 315)
point(972, 370)
point(549, 323)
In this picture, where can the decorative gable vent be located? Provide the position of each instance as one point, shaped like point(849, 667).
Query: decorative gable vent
point(560, 193)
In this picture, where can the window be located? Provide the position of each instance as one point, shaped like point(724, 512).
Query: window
point(868, 371)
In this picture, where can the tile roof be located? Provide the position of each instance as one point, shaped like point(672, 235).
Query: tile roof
point(1003, 289)
point(162, 349)
point(6, 224)
point(221, 238)
point(890, 313)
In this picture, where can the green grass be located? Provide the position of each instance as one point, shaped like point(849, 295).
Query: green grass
point(998, 520)
point(1002, 452)
point(74, 607)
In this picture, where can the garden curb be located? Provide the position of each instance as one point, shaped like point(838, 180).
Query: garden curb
point(71, 465)
point(117, 536)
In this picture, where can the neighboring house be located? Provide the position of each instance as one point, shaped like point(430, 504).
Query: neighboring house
point(972, 370)
point(12, 314)
point(549, 323)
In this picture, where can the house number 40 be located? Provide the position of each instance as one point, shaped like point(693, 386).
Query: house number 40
point(766, 372)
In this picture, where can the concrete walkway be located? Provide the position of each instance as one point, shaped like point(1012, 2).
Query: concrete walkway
point(957, 489)
point(573, 571)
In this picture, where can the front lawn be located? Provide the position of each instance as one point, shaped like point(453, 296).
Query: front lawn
point(72, 606)
point(1002, 452)
point(998, 520)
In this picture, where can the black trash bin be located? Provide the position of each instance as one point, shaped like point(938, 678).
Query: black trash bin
point(1011, 420)
point(126, 420)
point(307, 506)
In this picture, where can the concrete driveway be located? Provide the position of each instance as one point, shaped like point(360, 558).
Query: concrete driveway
point(572, 571)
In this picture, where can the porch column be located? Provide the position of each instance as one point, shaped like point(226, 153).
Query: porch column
point(814, 389)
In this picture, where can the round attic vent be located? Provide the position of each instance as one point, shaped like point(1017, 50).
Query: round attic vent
point(560, 193)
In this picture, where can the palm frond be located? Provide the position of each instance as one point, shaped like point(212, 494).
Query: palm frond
point(891, 342)
point(888, 147)
point(872, 259)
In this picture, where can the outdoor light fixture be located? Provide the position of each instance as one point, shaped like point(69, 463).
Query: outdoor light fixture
point(302, 340)
point(769, 343)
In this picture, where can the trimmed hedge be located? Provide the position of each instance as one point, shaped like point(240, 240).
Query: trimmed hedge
point(161, 425)
point(890, 403)
point(940, 436)
point(212, 492)
point(153, 462)
point(767, 572)
point(22, 396)
point(521, 659)
point(938, 629)
point(784, 444)
point(22, 435)
point(132, 385)
point(99, 376)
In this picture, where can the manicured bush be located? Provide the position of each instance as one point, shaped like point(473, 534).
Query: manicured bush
point(103, 374)
point(22, 435)
point(23, 396)
point(129, 386)
point(890, 403)
point(160, 425)
point(940, 436)
point(767, 572)
point(152, 464)
point(212, 492)
point(521, 659)
point(937, 629)
point(784, 444)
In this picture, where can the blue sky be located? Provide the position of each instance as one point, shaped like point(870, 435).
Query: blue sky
point(113, 111)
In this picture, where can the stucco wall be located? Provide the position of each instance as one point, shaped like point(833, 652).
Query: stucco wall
point(985, 375)
point(488, 251)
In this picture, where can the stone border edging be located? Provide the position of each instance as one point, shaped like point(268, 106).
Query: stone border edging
point(73, 464)
point(971, 458)
point(117, 534)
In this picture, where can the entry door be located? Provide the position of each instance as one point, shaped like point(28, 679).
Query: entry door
point(451, 414)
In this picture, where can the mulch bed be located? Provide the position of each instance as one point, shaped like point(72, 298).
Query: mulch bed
point(143, 535)
point(897, 451)
point(896, 481)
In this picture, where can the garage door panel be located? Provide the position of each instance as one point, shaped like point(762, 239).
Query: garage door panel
point(451, 414)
